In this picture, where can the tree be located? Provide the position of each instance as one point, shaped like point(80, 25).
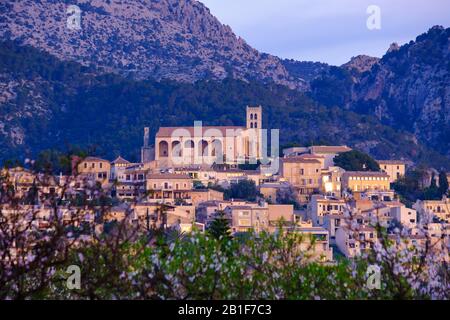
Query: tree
point(220, 227)
point(443, 183)
point(244, 189)
point(356, 161)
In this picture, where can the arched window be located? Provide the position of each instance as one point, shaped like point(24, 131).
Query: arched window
point(251, 125)
point(256, 116)
point(203, 148)
point(256, 125)
point(163, 149)
point(176, 149)
point(251, 116)
point(217, 149)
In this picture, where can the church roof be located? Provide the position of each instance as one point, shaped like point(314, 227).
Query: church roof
point(120, 160)
point(167, 132)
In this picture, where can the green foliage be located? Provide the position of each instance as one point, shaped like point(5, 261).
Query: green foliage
point(443, 183)
point(220, 227)
point(109, 112)
point(244, 189)
point(356, 161)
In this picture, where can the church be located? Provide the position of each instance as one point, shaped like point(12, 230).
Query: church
point(205, 145)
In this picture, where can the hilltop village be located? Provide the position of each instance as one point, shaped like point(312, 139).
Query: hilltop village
point(197, 173)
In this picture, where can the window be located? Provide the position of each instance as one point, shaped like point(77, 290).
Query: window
point(85, 165)
point(302, 171)
point(251, 116)
point(101, 165)
point(256, 125)
point(251, 125)
point(93, 165)
point(256, 116)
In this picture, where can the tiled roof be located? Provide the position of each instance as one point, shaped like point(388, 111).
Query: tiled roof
point(366, 174)
point(168, 176)
point(329, 149)
point(399, 162)
point(167, 132)
point(299, 160)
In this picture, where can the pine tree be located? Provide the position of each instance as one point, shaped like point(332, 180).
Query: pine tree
point(443, 183)
point(220, 227)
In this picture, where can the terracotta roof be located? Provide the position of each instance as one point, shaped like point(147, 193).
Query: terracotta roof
point(167, 132)
point(299, 160)
point(366, 173)
point(329, 149)
point(391, 162)
point(95, 159)
point(120, 160)
point(168, 176)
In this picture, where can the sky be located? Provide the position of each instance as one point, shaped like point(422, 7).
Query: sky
point(330, 31)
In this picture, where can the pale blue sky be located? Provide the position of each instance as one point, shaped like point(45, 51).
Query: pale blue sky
point(329, 31)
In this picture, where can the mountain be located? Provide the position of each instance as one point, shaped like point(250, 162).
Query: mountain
point(50, 104)
point(159, 39)
point(408, 88)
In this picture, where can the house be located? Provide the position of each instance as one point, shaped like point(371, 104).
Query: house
point(439, 208)
point(280, 213)
point(365, 180)
point(168, 188)
point(328, 153)
point(248, 217)
point(153, 215)
point(320, 206)
point(303, 174)
point(331, 181)
point(314, 242)
point(271, 190)
point(94, 168)
point(406, 216)
point(185, 146)
point(353, 243)
point(394, 168)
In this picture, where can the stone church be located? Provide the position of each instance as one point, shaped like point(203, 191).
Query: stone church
point(206, 145)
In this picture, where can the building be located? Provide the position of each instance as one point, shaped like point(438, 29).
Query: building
point(303, 174)
point(271, 190)
point(168, 188)
point(439, 208)
point(365, 180)
point(353, 243)
point(94, 168)
point(153, 215)
point(327, 152)
point(185, 146)
point(131, 182)
point(147, 152)
point(280, 213)
point(406, 216)
point(331, 181)
point(314, 242)
point(320, 206)
point(394, 168)
point(248, 217)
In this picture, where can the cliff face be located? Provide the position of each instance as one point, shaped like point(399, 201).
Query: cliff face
point(160, 39)
point(408, 88)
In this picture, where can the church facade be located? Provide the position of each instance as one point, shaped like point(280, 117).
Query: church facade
point(200, 145)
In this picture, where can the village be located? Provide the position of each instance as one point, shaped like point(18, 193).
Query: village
point(195, 175)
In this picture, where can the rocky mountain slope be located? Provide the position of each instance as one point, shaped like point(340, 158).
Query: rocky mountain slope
point(409, 88)
point(159, 39)
point(50, 104)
